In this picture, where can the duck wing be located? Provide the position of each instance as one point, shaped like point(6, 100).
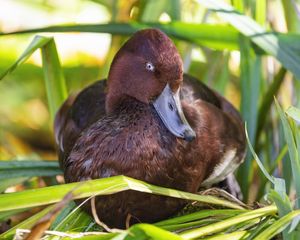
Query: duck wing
point(214, 118)
point(76, 114)
point(193, 89)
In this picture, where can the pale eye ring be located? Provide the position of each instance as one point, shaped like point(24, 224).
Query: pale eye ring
point(150, 66)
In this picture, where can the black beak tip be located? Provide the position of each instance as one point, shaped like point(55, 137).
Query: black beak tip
point(189, 135)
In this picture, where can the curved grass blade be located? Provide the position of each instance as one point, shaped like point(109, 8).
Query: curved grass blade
point(281, 200)
point(193, 224)
point(250, 66)
point(199, 215)
point(293, 113)
point(215, 36)
point(36, 43)
point(264, 181)
point(260, 227)
point(27, 224)
point(54, 79)
point(267, 101)
point(147, 231)
point(216, 227)
point(270, 43)
point(6, 215)
point(52, 194)
point(5, 183)
point(259, 163)
point(25, 169)
point(293, 151)
point(230, 236)
point(277, 226)
point(278, 195)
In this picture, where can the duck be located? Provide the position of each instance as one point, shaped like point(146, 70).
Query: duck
point(150, 121)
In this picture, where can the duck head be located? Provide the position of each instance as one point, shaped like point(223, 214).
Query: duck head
point(149, 68)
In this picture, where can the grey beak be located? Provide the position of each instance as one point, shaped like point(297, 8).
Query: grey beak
point(168, 107)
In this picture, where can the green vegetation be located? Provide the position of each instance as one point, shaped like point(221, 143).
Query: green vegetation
point(248, 50)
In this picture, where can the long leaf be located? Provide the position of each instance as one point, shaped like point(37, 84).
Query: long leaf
point(54, 79)
point(199, 215)
point(270, 43)
point(230, 236)
point(278, 226)
point(214, 36)
point(293, 113)
point(27, 224)
point(17, 169)
point(146, 231)
point(216, 227)
point(36, 43)
point(293, 153)
point(259, 163)
point(250, 85)
point(267, 101)
point(48, 195)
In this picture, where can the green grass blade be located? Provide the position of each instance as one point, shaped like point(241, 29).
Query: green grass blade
point(27, 224)
point(238, 4)
point(18, 169)
point(278, 226)
point(282, 202)
point(293, 113)
point(215, 36)
point(270, 43)
point(5, 183)
point(102, 236)
point(199, 215)
point(267, 101)
point(279, 194)
point(273, 167)
point(197, 219)
point(54, 78)
point(261, 226)
point(193, 224)
point(279, 197)
point(152, 9)
point(52, 194)
point(230, 236)
point(297, 136)
point(174, 10)
point(259, 163)
point(36, 43)
point(260, 11)
point(293, 153)
point(291, 15)
point(250, 85)
point(73, 219)
point(8, 214)
point(146, 231)
point(216, 227)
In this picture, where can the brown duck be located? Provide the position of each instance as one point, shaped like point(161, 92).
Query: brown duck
point(151, 122)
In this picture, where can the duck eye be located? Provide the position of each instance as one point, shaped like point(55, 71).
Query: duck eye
point(150, 66)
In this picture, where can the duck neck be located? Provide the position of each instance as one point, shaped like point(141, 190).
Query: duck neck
point(113, 101)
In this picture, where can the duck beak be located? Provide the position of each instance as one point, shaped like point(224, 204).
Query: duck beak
point(168, 107)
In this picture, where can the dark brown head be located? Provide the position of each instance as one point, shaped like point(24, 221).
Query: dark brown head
point(149, 68)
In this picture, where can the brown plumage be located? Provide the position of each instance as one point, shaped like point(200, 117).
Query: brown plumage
point(117, 127)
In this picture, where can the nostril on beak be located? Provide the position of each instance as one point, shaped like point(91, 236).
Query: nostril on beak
point(189, 135)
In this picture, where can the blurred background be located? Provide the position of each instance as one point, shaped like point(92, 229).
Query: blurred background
point(230, 63)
